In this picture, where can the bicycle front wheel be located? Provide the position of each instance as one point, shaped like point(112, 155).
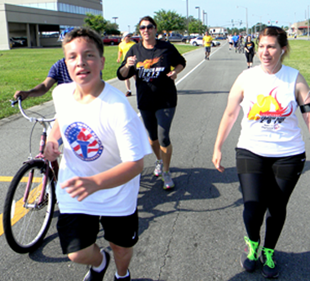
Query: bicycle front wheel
point(26, 218)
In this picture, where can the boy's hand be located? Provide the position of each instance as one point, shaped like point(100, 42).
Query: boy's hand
point(80, 187)
point(51, 151)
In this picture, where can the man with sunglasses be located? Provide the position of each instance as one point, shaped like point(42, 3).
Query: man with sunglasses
point(151, 61)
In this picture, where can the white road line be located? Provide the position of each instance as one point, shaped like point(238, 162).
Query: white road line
point(185, 76)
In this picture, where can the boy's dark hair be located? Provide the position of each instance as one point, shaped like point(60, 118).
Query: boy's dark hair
point(84, 32)
point(150, 19)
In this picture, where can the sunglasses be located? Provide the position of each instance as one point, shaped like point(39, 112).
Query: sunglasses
point(149, 26)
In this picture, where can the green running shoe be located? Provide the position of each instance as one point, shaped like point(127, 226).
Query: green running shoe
point(270, 268)
point(250, 256)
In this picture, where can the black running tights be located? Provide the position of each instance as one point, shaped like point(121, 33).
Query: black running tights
point(267, 183)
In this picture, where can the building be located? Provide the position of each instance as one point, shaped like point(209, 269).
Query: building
point(299, 28)
point(217, 31)
point(40, 21)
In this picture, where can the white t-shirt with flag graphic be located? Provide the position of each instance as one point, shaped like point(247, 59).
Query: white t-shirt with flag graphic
point(97, 137)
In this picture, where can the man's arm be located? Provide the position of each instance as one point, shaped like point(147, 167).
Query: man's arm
point(119, 56)
point(38, 90)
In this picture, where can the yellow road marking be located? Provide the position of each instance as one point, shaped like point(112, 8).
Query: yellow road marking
point(9, 179)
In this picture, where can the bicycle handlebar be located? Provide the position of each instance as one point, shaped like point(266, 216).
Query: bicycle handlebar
point(31, 119)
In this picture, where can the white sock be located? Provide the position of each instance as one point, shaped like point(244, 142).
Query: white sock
point(102, 265)
point(118, 276)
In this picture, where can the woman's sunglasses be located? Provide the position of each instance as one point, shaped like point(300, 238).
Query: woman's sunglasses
point(149, 26)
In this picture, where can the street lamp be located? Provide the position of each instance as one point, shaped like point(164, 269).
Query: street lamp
point(115, 18)
point(246, 19)
point(198, 12)
point(205, 13)
point(187, 16)
point(129, 28)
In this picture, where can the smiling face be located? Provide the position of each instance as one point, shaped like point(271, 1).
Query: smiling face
point(270, 52)
point(83, 61)
point(147, 30)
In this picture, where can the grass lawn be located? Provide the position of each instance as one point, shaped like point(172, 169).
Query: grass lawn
point(299, 57)
point(22, 69)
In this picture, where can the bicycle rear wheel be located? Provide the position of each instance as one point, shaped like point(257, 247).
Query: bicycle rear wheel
point(26, 223)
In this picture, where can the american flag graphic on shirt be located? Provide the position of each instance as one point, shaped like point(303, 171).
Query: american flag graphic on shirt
point(83, 141)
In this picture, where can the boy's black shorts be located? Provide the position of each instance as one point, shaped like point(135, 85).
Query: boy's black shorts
point(79, 231)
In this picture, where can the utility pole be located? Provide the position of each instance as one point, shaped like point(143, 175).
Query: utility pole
point(187, 16)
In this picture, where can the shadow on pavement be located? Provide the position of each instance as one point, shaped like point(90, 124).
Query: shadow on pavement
point(191, 184)
point(198, 92)
point(292, 266)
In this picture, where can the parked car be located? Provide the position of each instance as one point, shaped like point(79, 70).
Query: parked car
point(175, 38)
point(187, 38)
point(111, 40)
point(19, 41)
point(136, 38)
point(199, 42)
point(220, 38)
point(215, 43)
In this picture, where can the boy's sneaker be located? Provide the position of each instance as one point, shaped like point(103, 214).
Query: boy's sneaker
point(158, 168)
point(168, 182)
point(270, 268)
point(98, 276)
point(127, 278)
point(250, 256)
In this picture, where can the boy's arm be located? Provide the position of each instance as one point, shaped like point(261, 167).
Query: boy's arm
point(51, 151)
point(81, 187)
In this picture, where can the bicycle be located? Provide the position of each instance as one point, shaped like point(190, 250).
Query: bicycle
point(30, 200)
point(240, 48)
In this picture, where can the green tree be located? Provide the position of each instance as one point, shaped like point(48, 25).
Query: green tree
point(195, 26)
point(95, 22)
point(112, 28)
point(169, 21)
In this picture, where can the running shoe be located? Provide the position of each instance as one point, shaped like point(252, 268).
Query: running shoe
point(158, 168)
point(168, 182)
point(128, 94)
point(93, 275)
point(127, 278)
point(270, 268)
point(250, 256)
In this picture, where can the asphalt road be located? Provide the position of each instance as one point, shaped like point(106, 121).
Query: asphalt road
point(194, 232)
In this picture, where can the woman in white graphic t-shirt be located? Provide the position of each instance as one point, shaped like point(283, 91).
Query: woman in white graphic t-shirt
point(270, 153)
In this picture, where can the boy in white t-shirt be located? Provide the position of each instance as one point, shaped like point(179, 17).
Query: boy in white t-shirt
point(104, 146)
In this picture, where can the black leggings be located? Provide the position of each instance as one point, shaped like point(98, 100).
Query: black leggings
point(267, 184)
point(158, 123)
point(249, 56)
